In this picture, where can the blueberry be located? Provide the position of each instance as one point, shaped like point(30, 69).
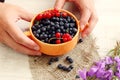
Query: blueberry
point(43, 29)
point(61, 19)
point(67, 58)
point(65, 21)
point(64, 68)
point(70, 60)
point(38, 31)
point(57, 19)
point(50, 31)
point(48, 27)
point(56, 59)
point(56, 23)
point(49, 36)
point(46, 40)
point(47, 32)
point(52, 24)
point(41, 25)
point(37, 26)
point(60, 66)
point(49, 63)
point(77, 76)
point(80, 40)
point(71, 67)
point(70, 32)
point(74, 30)
point(71, 29)
point(58, 30)
point(61, 27)
point(64, 31)
point(51, 59)
point(53, 28)
point(68, 69)
point(34, 32)
point(45, 35)
point(72, 20)
point(68, 18)
point(61, 23)
point(72, 24)
point(66, 25)
point(53, 32)
point(41, 36)
point(37, 35)
point(34, 28)
point(47, 21)
point(57, 26)
point(53, 18)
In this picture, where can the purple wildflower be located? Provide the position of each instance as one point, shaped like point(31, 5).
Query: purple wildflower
point(100, 73)
point(100, 64)
point(117, 73)
point(93, 71)
point(108, 60)
point(83, 74)
point(117, 59)
point(108, 74)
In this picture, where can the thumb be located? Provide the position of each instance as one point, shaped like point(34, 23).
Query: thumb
point(59, 4)
point(26, 15)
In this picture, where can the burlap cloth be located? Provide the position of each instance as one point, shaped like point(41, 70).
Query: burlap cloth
point(84, 54)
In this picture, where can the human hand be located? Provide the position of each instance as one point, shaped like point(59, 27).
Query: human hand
point(11, 34)
point(87, 14)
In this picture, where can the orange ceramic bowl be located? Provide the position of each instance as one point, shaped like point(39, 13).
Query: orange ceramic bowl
point(55, 49)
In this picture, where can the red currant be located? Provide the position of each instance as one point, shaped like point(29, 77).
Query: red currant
point(57, 14)
point(64, 14)
point(48, 15)
point(64, 39)
point(39, 16)
point(58, 41)
point(55, 10)
point(44, 15)
point(69, 38)
point(58, 35)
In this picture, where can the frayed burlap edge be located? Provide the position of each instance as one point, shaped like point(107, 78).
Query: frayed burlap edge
point(84, 54)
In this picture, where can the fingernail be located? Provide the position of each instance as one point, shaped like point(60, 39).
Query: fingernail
point(82, 27)
point(36, 48)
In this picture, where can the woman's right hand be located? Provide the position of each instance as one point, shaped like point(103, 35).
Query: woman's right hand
point(11, 34)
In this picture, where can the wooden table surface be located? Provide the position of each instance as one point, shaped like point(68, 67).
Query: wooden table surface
point(15, 66)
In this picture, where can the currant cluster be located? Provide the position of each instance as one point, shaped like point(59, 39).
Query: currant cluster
point(54, 27)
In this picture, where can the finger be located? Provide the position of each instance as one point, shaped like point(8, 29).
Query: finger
point(59, 4)
point(10, 42)
point(85, 15)
point(20, 37)
point(25, 15)
point(92, 22)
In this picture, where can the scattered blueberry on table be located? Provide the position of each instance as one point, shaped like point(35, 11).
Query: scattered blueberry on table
point(60, 66)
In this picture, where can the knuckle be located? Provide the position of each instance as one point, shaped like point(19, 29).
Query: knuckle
point(20, 40)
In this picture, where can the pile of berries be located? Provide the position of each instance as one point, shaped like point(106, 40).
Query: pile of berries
point(60, 66)
point(54, 27)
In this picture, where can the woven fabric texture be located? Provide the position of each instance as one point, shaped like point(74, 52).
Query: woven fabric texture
point(84, 54)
